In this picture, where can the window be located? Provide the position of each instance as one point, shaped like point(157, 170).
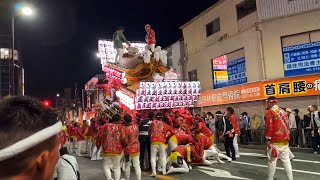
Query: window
point(193, 75)
point(213, 27)
point(245, 8)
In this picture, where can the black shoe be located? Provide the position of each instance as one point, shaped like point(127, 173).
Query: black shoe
point(233, 159)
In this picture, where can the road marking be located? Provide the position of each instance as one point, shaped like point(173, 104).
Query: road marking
point(262, 155)
point(264, 166)
point(218, 173)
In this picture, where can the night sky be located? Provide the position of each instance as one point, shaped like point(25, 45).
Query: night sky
point(59, 44)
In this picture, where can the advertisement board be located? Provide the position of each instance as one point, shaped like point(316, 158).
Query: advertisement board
point(281, 88)
point(301, 59)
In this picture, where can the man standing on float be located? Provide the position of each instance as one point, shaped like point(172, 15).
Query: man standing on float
point(150, 38)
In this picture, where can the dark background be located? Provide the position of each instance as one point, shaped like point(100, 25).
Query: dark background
point(59, 43)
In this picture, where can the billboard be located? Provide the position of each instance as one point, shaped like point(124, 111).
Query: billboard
point(237, 72)
point(281, 88)
point(301, 59)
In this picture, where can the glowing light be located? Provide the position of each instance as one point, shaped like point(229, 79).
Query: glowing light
point(27, 11)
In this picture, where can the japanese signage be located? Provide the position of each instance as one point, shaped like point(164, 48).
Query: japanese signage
point(301, 59)
point(220, 79)
point(289, 87)
point(220, 63)
point(237, 72)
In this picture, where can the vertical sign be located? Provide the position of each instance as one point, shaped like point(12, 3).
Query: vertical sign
point(301, 59)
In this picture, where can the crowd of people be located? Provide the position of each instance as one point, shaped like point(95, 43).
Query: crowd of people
point(163, 141)
point(152, 141)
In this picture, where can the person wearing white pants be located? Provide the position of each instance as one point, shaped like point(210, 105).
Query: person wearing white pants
point(235, 124)
point(112, 162)
point(278, 137)
point(236, 146)
point(118, 40)
point(72, 145)
point(135, 162)
point(161, 149)
point(283, 153)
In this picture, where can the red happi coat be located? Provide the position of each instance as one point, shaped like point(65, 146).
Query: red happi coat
point(183, 138)
point(62, 137)
point(277, 125)
point(90, 131)
point(159, 131)
point(132, 139)
point(72, 131)
point(188, 119)
point(203, 143)
point(80, 133)
point(98, 135)
point(235, 124)
point(202, 128)
point(151, 37)
point(182, 150)
point(113, 139)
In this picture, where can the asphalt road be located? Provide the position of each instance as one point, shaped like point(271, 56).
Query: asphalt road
point(251, 165)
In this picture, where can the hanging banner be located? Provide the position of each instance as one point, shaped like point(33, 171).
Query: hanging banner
point(281, 88)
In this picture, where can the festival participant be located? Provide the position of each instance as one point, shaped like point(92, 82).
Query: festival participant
point(177, 119)
point(29, 147)
point(118, 40)
point(167, 115)
point(159, 132)
point(187, 117)
point(181, 137)
point(182, 155)
point(80, 138)
point(233, 119)
point(200, 126)
point(72, 137)
point(113, 140)
point(205, 147)
point(96, 152)
point(89, 135)
point(278, 137)
point(63, 136)
point(132, 149)
point(150, 38)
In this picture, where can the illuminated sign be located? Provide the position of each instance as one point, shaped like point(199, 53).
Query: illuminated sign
point(165, 95)
point(220, 63)
point(108, 54)
point(6, 53)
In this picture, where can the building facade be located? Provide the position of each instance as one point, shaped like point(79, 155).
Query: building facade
point(176, 57)
point(12, 73)
point(258, 49)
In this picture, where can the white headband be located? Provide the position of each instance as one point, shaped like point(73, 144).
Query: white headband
point(30, 141)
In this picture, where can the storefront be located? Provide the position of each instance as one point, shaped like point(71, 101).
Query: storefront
point(296, 92)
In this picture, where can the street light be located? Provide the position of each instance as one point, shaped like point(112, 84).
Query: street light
point(58, 95)
point(20, 9)
point(27, 11)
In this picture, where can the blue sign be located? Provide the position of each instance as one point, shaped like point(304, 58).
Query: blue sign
point(236, 73)
point(301, 59)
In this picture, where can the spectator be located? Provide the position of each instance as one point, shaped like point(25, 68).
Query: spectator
point(248, 130)
point(315, 125)
point(299, 126)
point(31, 147)
point(211, 122)
point(292, 126)
point(67, 167)
point(306, 125)
point(255, 124)
point(243, 130)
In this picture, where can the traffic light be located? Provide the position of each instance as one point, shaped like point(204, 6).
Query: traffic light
point(47, 103)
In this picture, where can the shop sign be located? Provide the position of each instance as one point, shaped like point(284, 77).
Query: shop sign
point(288, 87)
point(301, 59)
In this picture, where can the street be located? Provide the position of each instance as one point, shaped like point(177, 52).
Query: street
point(251, 165)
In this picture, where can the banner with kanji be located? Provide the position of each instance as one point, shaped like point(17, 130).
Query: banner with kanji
point(281, 88)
